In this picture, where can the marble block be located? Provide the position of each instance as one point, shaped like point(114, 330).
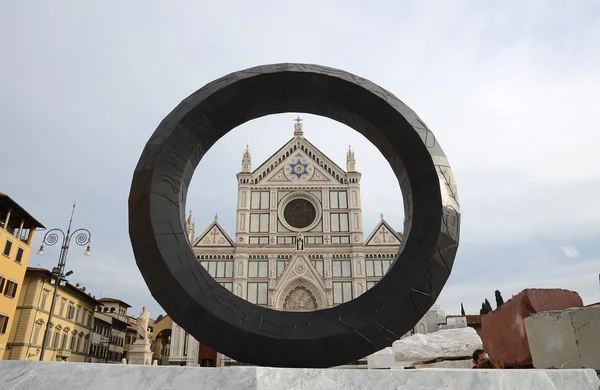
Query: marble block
point(385, 359)
point(565, 338)
point(140, 353)
point(443, 343)
point(503, 330)
point(26, 375)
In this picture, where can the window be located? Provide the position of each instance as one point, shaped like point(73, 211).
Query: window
point(370, 284)
point(339, 222)
point(36, 334)
point(377, 267)
point(259, 200)
point(219, 269)
point(338, 200)
point(84, 317)
point(55, 339)
point(65, 338)
point(228, 286)
point(25, 233)
point(259, 223)
point(2, 281)
point(63, 303)
point(342, 268)
point(342, 292)
point(19, 255)
point(72, 343)
point(319, 266)
point(258, 268)
point(258, 293)
point(7, 248)
point(3, 323)
point(89, 320)
point(70, 311)
point(77, 311)
point(11, 289)
point(281, 264)
point(85, 345)
point(185, 344)
point(78, 348)
point(45, 294)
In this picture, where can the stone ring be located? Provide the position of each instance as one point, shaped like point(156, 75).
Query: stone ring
point(262, 336)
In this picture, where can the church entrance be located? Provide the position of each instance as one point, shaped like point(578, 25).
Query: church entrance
point(300, 299)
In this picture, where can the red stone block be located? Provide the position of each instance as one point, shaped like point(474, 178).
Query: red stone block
point(503, 330)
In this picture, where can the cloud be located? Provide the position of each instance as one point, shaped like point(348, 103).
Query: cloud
point(569, 251)
point(510, 96)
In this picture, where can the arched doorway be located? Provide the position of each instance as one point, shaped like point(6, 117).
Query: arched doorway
point(300, 299)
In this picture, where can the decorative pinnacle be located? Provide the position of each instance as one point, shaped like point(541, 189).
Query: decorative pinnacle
point(381, 215)
point(298, 127)
point(216, 216)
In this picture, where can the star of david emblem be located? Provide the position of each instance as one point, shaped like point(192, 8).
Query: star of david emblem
point(299, 169)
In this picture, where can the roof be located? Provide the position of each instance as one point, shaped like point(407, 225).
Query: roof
point(472, 319)
point(9, 203)
point(110, 319)
point(114, 300)
point(68, 286)
point(291, 142)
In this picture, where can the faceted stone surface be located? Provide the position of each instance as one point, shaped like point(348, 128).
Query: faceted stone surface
point(23, 375)
point(565, 338)
point(503, 330)
point(443, 343)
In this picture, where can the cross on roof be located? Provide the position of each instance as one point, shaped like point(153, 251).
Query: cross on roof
point(298, 120)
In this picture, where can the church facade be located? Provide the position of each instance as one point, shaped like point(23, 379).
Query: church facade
point(299, 243)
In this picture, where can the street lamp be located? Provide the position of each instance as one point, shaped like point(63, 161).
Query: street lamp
point(82, 237)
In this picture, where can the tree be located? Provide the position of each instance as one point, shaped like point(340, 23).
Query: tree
point(462, 309)
point(488, 306)
point(483, 309)
point(499, 300)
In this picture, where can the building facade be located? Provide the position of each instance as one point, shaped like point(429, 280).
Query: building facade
point(108, 340)
point(17, 229)
point(71, 327)
point(299, 243)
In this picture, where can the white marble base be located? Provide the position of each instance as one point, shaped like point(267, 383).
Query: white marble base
point(140, 353)
point(23, 375)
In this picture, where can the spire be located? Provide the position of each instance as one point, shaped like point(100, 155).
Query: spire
point(298, 127)
point(381, 215)
point(216, 217)
point(350, 161)
point(190, 226)
point(246, 160)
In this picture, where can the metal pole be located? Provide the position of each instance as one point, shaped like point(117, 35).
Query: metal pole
point(58, 277)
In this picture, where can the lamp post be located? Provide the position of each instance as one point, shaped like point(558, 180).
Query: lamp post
point(82, 237)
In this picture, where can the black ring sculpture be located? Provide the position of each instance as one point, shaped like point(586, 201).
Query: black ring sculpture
point(261, 336)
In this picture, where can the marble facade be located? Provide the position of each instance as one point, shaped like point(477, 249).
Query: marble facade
point(299, 243)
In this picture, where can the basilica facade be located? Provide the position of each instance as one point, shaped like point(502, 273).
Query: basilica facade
point(299, 242)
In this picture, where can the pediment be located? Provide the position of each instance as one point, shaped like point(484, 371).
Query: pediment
point(299, 161)
point(300, 273)
point(213, 236)
point(383, 235)
point(299, 168)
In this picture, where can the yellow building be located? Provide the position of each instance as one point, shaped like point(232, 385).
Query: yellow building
point(17, 229)
point(71, 327)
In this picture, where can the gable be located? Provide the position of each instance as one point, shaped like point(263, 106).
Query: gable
point(213, 236)
point(299, 168)
point(296, 162)
point(383, 235)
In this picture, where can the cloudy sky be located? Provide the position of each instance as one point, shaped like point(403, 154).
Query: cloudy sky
point(510, 89)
